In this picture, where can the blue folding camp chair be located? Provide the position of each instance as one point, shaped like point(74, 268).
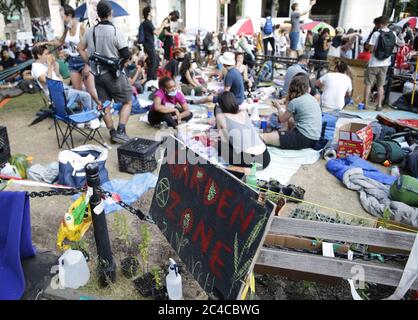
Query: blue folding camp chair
point(72, 122)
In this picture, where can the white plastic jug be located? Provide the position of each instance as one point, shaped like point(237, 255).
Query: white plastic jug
point(173, 282)
point(73, 270)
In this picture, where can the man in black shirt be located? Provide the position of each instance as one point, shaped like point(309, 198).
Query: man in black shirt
point(6, 61)
point(149, 44)
point(173, 66)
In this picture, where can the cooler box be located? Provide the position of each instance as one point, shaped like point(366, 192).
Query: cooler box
point(355, 139)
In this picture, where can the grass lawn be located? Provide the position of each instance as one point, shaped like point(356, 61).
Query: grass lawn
point(24, 103)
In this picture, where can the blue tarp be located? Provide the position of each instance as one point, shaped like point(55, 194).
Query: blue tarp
point(339, 167)
point(129, 190)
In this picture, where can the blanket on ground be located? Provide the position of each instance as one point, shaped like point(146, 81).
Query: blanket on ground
point(375, 198)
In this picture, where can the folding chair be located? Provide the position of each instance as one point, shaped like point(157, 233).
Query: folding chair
point(73, 122)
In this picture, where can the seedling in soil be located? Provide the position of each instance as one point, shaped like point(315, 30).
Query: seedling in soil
point(122, 228)
point(130, 267)
point(157, 272)
point(144, 247)
point(148, 286)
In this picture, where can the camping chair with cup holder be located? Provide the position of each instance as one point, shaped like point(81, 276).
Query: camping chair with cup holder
point(66, 122)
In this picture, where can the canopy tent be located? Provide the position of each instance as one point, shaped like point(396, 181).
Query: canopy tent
point(411, 20)
point(316, 25)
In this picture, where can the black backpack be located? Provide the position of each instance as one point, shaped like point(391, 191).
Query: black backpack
point(29, 86)
point(411, 163)
point(385, 45)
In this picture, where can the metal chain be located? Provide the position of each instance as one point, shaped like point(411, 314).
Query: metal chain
point(105, 195)
point(57, 192)
point(356, 255)
point(127, 207)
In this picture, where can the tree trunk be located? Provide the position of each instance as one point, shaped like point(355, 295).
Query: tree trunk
point(275, 8)
point(38, 8)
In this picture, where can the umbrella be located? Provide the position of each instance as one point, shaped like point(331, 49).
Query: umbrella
point(411, 20)
point(118, 11)
point(245, 27)
point(316, 25)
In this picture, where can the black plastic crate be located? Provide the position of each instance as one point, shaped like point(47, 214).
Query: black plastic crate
point(138, 156)
point(4, 146)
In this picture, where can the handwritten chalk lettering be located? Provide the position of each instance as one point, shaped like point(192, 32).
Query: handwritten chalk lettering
point(212, 221)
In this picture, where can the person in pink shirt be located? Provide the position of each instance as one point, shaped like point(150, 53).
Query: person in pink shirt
point(169, 106)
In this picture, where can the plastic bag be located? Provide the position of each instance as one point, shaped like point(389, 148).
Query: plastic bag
point(75, 224)
point(129, 190)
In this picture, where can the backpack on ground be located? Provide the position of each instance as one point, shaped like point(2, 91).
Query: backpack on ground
point(141, 34)
point(386, 150)
point(29, 86)
point(385, 45)
point(268, 27)
point(411, 163)
point(405, 190)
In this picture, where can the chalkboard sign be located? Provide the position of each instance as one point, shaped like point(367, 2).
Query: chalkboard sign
point(211, 219)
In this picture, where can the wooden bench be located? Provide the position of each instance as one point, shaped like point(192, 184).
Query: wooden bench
point(313, 267)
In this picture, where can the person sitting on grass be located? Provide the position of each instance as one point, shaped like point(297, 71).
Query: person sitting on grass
point(240, 144)
point(173, 66)
point(233, 81)
point(169, 106)
point(188, 80)
point(302, 119)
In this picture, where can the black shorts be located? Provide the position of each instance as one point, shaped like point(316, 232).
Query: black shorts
point(109, 87)
point(294, 140)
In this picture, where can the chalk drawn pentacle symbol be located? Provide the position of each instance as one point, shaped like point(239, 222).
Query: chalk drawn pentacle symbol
point(163, 192)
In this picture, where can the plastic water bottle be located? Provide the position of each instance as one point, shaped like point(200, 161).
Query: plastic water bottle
point(73, 270)
point(193, 93)
point(394, 172)
point(173, 282)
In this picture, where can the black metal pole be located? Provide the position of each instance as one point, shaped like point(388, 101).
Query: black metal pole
point(106, 266)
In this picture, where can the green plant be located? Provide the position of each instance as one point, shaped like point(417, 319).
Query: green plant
point(122, 228)
point(156, 274)
point(386, 218)
point(144, 247)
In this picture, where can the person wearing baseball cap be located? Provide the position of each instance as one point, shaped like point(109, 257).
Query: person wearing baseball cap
point(233, 81)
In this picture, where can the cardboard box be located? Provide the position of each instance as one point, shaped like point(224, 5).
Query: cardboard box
point(355, 139)
point(357, 69)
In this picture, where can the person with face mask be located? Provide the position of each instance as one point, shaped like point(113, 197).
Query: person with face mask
point(80, 74)
point(169, 106)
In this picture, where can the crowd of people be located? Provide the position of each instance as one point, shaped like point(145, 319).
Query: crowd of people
point(174, 63)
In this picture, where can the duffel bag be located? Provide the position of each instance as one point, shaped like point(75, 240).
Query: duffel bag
point(411, 163)
point(405, 190)
point(72, 165)
point(386, 150)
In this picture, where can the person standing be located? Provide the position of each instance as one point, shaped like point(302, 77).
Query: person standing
point(149, 41)
point(381, 45)
point(323, 45)
point(268, 35)
point(295, 31)
point(167, 36)
point(80, 71)
point(106, 40)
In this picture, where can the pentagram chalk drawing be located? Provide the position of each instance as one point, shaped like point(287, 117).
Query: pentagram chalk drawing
point(163, 192)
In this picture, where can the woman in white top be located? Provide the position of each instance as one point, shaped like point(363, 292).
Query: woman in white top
point(74, 32)
point(335, 87)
